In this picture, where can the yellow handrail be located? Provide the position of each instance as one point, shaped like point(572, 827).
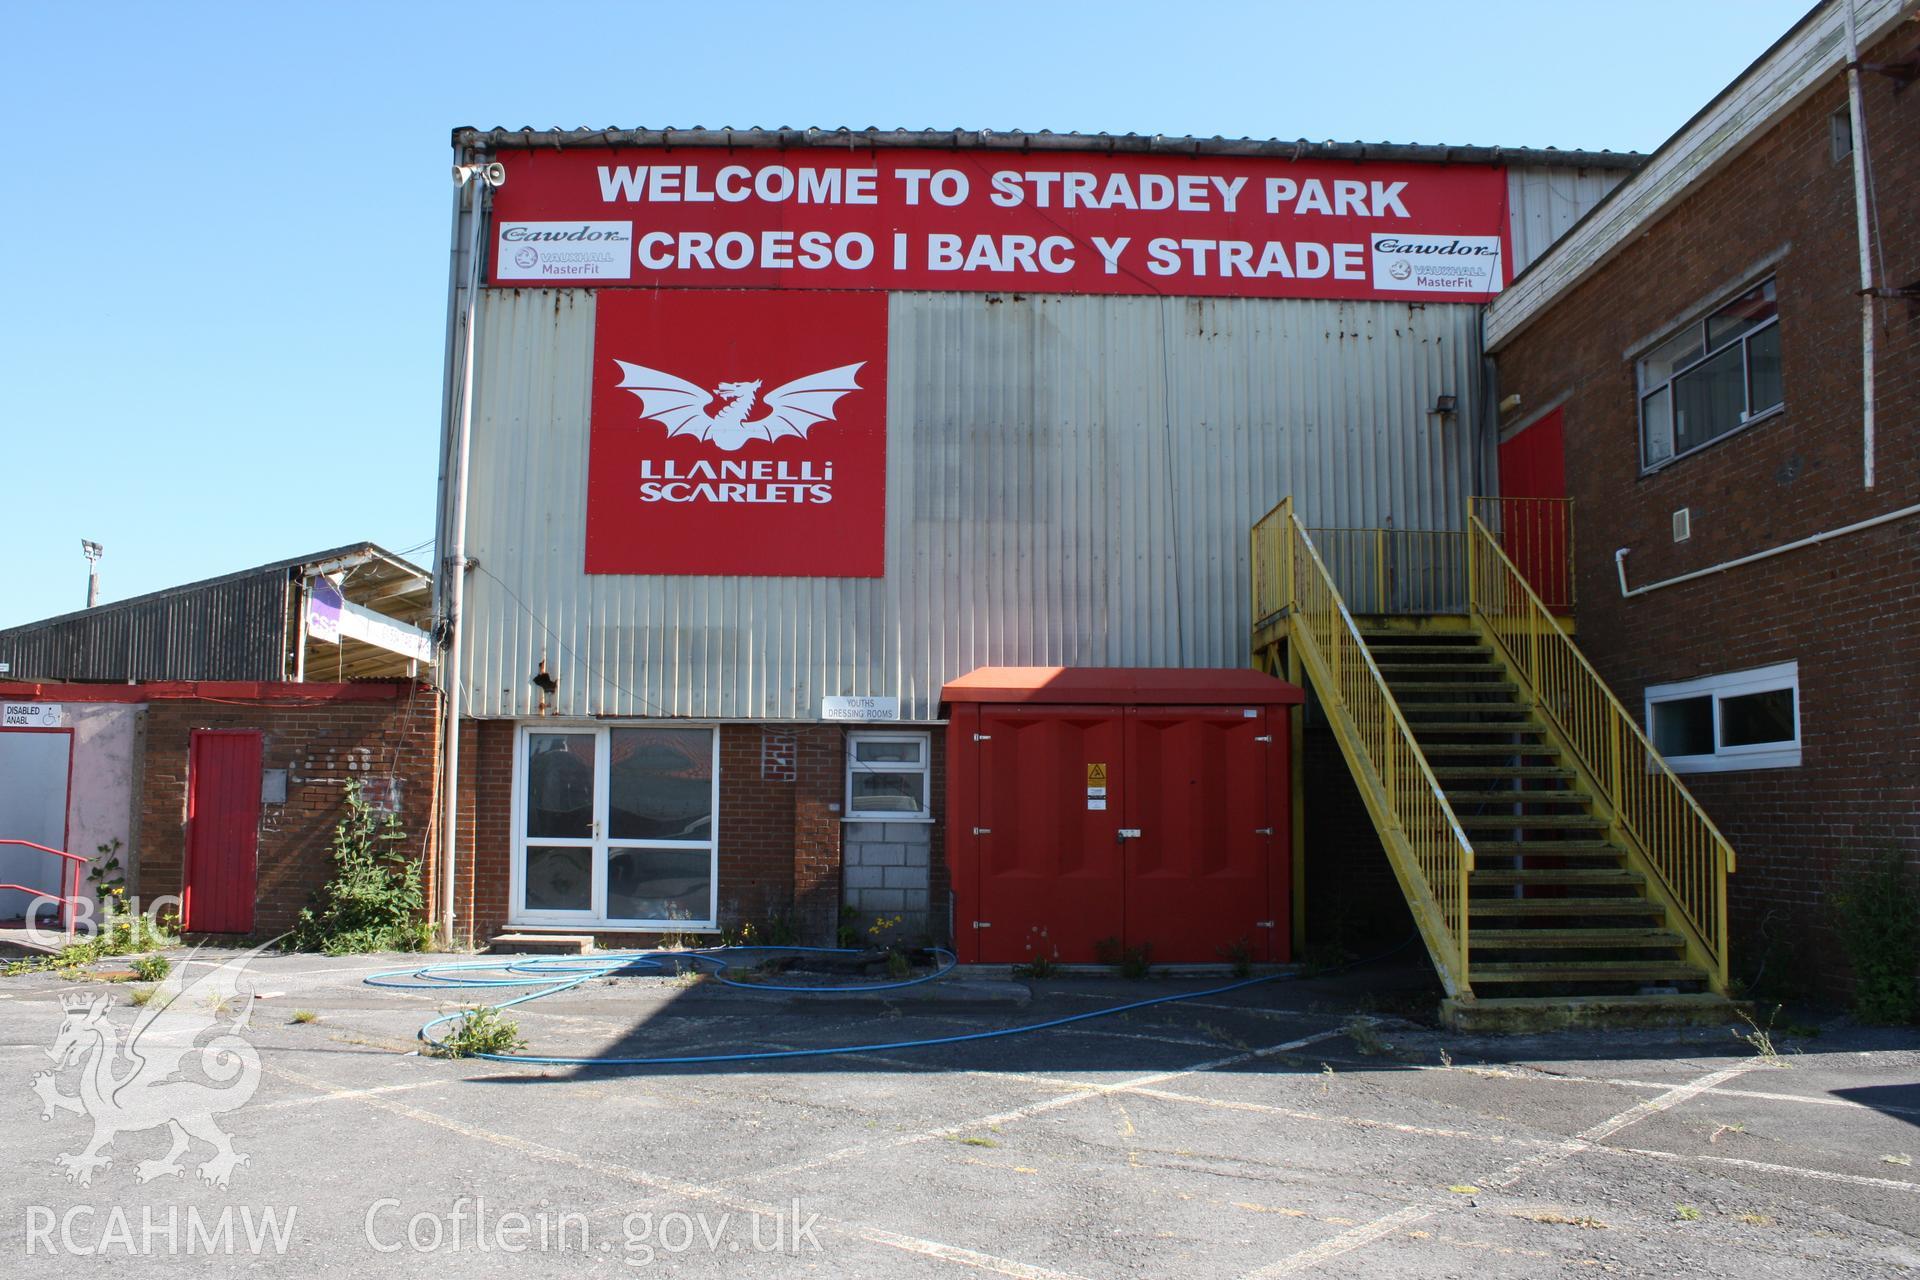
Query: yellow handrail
point(1428, 849)
point(1681, 848)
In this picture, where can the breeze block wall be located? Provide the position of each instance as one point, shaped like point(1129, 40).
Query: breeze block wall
point(1848, 610)
point(323, 736)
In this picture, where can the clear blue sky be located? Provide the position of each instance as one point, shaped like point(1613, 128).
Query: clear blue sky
point(225, 226)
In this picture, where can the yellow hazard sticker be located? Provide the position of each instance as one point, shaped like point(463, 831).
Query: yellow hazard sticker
point(1096, 775)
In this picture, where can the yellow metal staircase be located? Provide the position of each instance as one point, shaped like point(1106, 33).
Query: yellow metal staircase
point(1557, 869)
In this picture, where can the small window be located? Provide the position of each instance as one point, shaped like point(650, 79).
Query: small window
point(888, 777)
point(1840, 133)
point(1745, 720)
point(1712, 377)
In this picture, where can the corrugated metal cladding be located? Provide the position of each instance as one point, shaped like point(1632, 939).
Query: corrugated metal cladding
point(234, 628)
point(1544, 202)
point(1070, 482)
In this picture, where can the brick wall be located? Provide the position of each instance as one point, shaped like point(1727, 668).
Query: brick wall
point(321, 747)
point(1849, 610)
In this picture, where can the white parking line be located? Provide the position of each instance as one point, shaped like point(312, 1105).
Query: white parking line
point(693, 1190)
point(1557, 1152)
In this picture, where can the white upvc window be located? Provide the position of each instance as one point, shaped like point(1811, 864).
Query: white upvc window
point(889, 776)
point(1715, 375)
point(615, 826)
point(1742, 720)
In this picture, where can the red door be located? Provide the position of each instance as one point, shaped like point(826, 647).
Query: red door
point(1198, 873)
point(1048, 860)
point(1534, 522)
point(223, 831)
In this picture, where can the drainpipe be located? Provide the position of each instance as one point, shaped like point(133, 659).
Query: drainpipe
point(1857, 120)
point(453, 566)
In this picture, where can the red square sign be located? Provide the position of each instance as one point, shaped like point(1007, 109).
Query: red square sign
point(738, 433)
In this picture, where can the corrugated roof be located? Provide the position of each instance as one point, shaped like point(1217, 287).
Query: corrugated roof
point(393, 570)
point(1019, 140)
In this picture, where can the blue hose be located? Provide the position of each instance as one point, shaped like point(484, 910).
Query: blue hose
point(554, 974)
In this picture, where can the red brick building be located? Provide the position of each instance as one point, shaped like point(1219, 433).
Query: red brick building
point(1749, 517)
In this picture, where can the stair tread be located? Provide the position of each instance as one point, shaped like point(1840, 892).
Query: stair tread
point(1542, 820)
point(1547, 848)
point(1565, 907)
point(1473, 726)
point(1501, 939)
point(1490, 748)
point(1504, 771)
point(1504, 708)
point(1452, 686)
point(1380, 661)
point(1557, 875)
point(1616, 970)
point(1520, 797)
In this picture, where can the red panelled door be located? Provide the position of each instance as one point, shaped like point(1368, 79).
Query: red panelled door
point(1533, 464)
point(223, 831)
point(1148, 825)
point(1049, 867)
point(1197, 872)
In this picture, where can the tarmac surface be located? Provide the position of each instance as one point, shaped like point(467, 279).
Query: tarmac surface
point(1293, 1128)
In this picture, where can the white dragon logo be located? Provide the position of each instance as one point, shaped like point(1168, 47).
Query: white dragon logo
point(159, 1073)
point(792, 407)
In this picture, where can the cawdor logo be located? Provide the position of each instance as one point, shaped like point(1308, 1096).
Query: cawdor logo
point(184, 1062)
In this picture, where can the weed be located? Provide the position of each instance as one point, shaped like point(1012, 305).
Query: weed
point(1361, 1031)
point(484, 1029)
point(1903, 1160)
point(882, 926)
point(1239, 954)
point(1725, 1128)
point(1446, 1059)
point(152, 968)
point(1225, 1037)
point(1046, 957)
point(1326, 1079)
point(846, 935)
point(1880, 930)
point(1551, 1218)
point(375, 900)
point(1134, 963)
point(1760, 1038)
point(142, 995)
point(1686, 1213)
point(1756, 1219)
point(301, 1017)
point(1464, 1189)
point(898, 966)
point(219, 1003)
point(975, 1141)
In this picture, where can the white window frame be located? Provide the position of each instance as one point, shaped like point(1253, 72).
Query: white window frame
point(1644, 391)
point(924, 768)
point(1760, 755)
point(601, 843)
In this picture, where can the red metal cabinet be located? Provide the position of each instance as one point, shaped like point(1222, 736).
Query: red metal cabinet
point(1149, 807)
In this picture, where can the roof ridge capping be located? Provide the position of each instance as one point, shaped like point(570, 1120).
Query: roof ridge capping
point(1811, 52)
point(467, 137)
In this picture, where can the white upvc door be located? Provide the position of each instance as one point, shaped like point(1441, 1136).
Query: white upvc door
point(615, 826)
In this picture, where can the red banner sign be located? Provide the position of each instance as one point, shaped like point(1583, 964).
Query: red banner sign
point(738, 433)
point(1074, 222)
